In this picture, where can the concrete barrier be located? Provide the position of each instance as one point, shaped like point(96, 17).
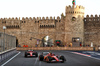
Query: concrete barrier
point(4, 55)
point(58, 48)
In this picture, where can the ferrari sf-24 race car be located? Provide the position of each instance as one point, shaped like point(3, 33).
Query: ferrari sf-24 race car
point(49, 57)
point(31, 53)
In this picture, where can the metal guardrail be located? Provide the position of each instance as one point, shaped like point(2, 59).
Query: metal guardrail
point(4, 55)
point(8, 50)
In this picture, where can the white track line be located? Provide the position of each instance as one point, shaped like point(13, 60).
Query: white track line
point(87, 56)
point(10, 59)
point(36, 59)
point(40, 63)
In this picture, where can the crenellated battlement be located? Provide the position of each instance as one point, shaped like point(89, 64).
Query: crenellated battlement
point(75, 10)
point(92, 18)
point(41, 18)
point(24, 19)
point(48, 22)
point(13, 23)
point(75, 7)
point(46, 18)
point(11, 18)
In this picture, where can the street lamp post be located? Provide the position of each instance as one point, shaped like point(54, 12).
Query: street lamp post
point(4, 28)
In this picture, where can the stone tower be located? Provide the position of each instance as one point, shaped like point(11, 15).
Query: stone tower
point(74, 24)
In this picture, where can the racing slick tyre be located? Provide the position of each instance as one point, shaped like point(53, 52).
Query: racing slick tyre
point(63, 59)
point(36, 54)
point(25, 54)
point(41, 57)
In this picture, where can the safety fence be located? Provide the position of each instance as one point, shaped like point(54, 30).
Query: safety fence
point(7, 42)
point(7, 46)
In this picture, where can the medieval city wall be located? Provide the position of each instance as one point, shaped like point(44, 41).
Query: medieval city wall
point(33, 27)
point(64, 28)
point(92, 30)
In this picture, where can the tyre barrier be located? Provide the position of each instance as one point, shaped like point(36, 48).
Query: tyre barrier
point(5, 55)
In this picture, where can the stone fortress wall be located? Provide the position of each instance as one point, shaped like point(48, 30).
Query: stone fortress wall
point(92, 30)
point(64, 28)
point(34, 27)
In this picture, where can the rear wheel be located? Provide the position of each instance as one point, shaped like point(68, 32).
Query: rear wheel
point(25, 54)
point(41, 57)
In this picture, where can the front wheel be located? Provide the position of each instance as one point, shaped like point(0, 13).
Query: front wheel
point(36, 54)
point(63, 59)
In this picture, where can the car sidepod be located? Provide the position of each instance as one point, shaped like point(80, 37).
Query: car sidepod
point(48, 59)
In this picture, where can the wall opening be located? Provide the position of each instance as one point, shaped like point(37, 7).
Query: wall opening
point(17, 42)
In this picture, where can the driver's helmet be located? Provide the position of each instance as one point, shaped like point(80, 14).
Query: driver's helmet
point(50, 53)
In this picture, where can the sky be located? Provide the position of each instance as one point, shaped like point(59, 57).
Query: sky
point(43, 8)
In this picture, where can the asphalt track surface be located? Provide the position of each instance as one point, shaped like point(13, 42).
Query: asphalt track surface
point(72, 60)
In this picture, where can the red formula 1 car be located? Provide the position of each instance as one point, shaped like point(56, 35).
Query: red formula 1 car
point(31, 53)
point(49, 57)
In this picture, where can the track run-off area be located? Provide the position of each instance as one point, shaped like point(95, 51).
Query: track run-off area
point(74, 58)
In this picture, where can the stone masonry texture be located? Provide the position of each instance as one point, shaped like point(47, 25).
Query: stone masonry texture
point(64, 28)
